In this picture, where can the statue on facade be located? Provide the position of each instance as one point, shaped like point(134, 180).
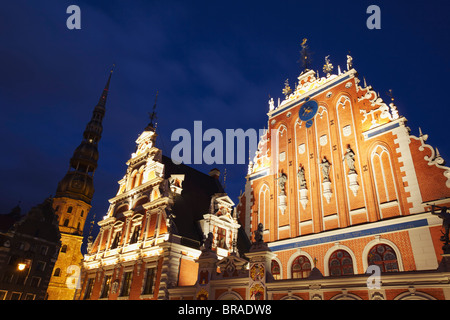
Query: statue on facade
point(349, 62)
point(271, 104)
point(301, 177)
point(208, 241)
point(259, 233)
point(349, 156)
point(445, 216)
point(325, 166)
point(282, 183)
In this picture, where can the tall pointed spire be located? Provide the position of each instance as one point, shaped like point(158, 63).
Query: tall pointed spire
point(78, 182)
point(102, 100)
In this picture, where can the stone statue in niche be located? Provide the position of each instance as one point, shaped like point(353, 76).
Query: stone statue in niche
point(325, 166)
point(301, 177)
point(282, 183)
point(349, 156)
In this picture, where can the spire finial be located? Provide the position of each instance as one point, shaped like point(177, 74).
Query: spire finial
point(305, 56)
point(102, 101)
point(153, 114)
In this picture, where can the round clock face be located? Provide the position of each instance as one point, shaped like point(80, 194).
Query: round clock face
point(308, 110)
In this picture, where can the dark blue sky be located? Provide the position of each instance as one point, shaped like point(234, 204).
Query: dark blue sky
point(215, 61)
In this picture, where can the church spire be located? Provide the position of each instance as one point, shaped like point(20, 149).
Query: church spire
point(78, 182)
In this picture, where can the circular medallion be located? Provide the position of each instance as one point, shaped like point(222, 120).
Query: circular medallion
point(308, 110)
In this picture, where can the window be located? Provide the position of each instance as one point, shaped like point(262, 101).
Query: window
point(40, 265)
point(115, 243)
point(16, 295)
point(221, 237)
point(383, 256)
point(89, 287)
point(275, 270)
point(340, 263)
point(66, 223)
point(106, 286)
point(126, 284)
point(135, 236)
point(44, 250)
point(35, 281)
point(82, 213)
point(149, 281)
point(301, 268)
point(69, 210)
point(57, 272)
point(64, 248)
point(30, 296)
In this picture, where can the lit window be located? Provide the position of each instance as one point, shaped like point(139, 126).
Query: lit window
point(221, 238)
point(149, 280)
point(301, 268)
point(106, 286)
point(340, 263)
point(126, 284)
point(275, 269)
point(383, 256)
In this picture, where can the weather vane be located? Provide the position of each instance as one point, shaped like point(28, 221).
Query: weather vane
point(305, 55)
point(153, 114)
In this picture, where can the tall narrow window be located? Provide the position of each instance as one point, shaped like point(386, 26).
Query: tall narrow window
point(301, 268)
point(275, 269)
point(106, 286)
point(126, 284)
point(149, 281)
point(221, 238)
point(69, 210)
point(340, 263)
point(89, 287)
point(383, 256)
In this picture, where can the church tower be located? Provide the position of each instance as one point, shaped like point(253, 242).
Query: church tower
point(72, 203)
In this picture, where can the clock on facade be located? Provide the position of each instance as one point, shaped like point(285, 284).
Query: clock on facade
point(307, 111)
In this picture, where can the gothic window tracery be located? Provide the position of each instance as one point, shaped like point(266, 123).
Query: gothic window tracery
point(383, 256)
point(341, 263)
point(301, 268)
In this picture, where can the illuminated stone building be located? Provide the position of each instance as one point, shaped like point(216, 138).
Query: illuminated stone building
point(339, 186)
point(151, 236)
point(29, 246)
point(72, 203)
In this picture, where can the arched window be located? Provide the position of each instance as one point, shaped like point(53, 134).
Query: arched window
point(301, 268)
point(275, 270)
point(69, 210)
point(383, 256)
point(340, 263)
point(66, 222)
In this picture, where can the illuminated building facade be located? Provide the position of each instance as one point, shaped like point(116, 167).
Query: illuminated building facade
point(72, 203)
point(338, 203)
point(151, 236)
point(29, 246)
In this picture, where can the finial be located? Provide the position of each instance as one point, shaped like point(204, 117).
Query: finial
point(327, 67)
point(287, 89)
point(305, 55)
point(153, 114)
point(389, 93)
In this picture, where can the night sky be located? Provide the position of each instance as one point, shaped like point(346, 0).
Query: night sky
point(214, 61)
